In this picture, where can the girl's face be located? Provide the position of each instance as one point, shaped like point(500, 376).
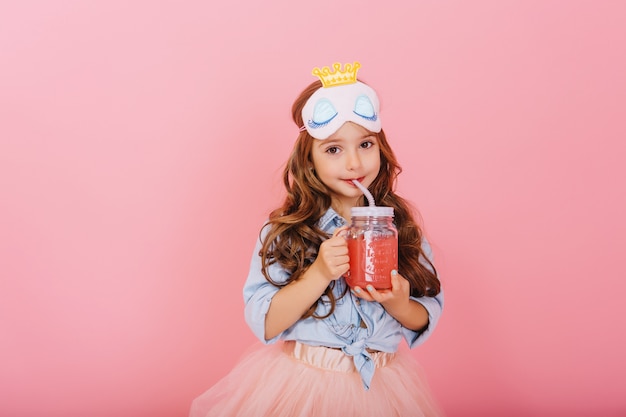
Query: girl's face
point(351, 153)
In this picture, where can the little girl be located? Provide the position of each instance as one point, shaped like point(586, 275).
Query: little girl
point(334, 350)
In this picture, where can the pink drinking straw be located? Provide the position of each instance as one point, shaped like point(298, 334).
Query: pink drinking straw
point(366, 192)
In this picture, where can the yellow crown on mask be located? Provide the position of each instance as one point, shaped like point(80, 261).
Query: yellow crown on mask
point(337, 76)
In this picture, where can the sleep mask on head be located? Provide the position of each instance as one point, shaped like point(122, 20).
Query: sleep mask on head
point(341, 99)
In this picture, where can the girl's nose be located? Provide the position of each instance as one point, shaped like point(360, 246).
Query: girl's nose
point(353, 161)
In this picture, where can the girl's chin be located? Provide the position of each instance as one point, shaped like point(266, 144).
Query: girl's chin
point(347, 198)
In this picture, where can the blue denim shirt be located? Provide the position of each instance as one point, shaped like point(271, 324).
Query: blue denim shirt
point(342, 329)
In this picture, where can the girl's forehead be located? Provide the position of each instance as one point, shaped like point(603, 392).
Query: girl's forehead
point(348, 131)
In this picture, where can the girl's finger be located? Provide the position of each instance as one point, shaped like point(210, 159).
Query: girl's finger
point(394, 279)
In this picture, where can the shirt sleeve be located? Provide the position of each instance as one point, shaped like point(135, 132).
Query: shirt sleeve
point(258, 292)
point(433, 305)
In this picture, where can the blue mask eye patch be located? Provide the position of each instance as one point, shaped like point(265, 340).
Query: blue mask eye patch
point(364, 108)
point(323, 113)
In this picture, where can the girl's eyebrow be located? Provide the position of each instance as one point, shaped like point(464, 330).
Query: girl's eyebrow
point(326, 143)
point(330, 142)
point(340, 140)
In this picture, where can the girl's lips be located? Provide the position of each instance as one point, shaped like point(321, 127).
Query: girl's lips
point(351, 179)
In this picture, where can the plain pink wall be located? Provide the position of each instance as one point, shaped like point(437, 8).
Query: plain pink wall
point(141, 145)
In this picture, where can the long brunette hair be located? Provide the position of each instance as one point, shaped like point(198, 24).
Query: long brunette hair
point(293, 238)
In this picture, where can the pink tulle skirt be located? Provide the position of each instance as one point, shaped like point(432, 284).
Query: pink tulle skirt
point(294, 380)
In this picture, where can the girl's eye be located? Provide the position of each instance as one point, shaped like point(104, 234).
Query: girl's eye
point(332, 150)
point(366, 145)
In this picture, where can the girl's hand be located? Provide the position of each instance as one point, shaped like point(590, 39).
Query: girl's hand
point(394, 300)
point(332, 260)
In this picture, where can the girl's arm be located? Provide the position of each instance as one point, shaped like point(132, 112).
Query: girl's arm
point(293, 300)
point(411, 314)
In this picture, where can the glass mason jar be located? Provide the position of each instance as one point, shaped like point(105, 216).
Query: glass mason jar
point(372, 246)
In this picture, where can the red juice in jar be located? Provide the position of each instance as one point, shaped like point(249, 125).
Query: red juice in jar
point(372, 247)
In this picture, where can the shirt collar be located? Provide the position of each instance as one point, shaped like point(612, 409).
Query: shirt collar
point(331, 220)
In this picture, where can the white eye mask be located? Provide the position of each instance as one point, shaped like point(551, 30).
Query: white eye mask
point(330, 107)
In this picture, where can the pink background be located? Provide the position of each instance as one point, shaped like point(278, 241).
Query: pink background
point(141, 145)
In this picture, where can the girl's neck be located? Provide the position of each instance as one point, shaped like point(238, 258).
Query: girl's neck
point(343, 207)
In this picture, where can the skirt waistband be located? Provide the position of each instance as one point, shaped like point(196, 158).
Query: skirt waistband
point(330, 358)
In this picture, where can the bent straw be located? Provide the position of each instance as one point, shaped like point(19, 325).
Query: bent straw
point(366, 192)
